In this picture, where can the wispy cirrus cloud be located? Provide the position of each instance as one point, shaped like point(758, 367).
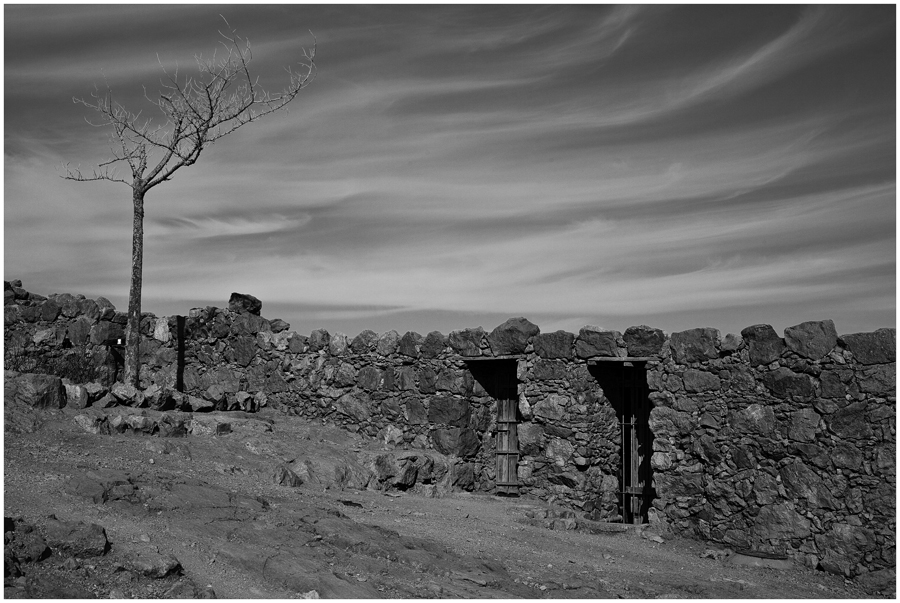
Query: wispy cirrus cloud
point(455, 165)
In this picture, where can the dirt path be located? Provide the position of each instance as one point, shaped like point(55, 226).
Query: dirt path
point(212, 503)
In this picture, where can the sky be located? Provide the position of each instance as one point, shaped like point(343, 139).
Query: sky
point(454, 166)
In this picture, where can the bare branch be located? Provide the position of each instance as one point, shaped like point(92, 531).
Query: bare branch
point(196, 112)
point(101, 174)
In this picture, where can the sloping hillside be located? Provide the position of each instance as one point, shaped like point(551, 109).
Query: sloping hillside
point(272, 506)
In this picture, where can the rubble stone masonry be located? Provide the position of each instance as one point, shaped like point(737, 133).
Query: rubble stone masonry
point(774, 444)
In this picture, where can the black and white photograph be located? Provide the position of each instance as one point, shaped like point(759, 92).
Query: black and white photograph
point(450, 301)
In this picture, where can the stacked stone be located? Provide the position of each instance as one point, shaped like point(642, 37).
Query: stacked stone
point(50, 329)
point(780, 445)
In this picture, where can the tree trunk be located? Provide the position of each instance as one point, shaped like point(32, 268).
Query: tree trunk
point(133, 327)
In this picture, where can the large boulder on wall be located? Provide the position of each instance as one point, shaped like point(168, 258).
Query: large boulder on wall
point(764, 343)
point(243, 302)
point(877, 347)
point(643, 340)
point(813, 339)
point(512, 336)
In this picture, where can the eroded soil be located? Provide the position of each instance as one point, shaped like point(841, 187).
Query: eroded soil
point(211, 502)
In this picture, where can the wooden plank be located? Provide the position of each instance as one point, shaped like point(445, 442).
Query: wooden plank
point(625, 359)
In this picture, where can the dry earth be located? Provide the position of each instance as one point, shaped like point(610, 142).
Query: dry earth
point(211, 503)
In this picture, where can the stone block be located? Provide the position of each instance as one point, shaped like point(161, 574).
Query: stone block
point(37, 390)
point(76, 538)
point(405, 378)
point(551, 407)
point(242, 351)
point(845, 455)
point(433, 345)
point(387, 343)
point(779, 522)
point(764, 344)
point(700, 381)
point(877, 347)
point(297, 343)
point(89, 309)
point(544, 370)
point(531, 438)
point(244, 302)
point(694, 345)
point(79, 331)
point(319, 340)
point(466, 342)
point(671, 485)
point(661, 461)
point(369, 378)
point(278, 326)
point(354, 405)
point(559, 451)
point(804, 425)
point(593, 341)
point(345, 375)
point(765, 489)
point(105, 330)
point(444, 410)
point(830, 385)
point(844, 547)
point(364, 342)
point(785, 383)
point(409, 344)
point(731, 343)
point(754, 419)
point(461, 442)
point(390, 408)
point(462, 475)
point(554, 345)
point(850, 422)
point(665, 421)
point(427, 380)
point(644, 341)
point(802, 482)
point(76, 396)
point(812, 339)
point(337, 345)
point(415, 412)
point(50, 310)
point(880, 380)
point(512, 336)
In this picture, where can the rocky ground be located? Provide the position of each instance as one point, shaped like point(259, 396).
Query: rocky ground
point(267, 506)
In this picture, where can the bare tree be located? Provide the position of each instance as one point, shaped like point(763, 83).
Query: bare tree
point(197, 111)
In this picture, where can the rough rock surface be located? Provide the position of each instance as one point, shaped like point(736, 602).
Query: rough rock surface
point(764, 344)
point(738, 425)
point(594, 341)
point(694, 345)
point(877, 347)
point(643, 340)
point(512, 336)
point(812, 339)
point(244, 302)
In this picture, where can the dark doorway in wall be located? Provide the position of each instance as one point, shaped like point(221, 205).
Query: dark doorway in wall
point(624, 383)
point(498, 378)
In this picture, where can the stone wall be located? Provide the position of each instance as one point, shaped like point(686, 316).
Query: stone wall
point(781, 445)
